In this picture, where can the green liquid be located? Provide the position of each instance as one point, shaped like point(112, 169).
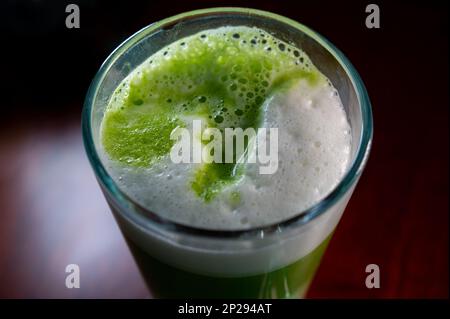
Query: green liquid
point(290, 281)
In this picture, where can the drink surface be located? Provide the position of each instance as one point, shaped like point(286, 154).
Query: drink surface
point(227, 77)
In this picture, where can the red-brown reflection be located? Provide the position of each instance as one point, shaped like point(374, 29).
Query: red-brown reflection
point(54, 214)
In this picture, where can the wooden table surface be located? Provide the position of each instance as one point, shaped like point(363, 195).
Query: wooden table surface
point(53, 213)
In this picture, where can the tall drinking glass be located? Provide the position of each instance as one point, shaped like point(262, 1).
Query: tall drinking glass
point(275, 261)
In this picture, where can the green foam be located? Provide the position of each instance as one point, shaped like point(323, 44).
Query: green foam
point(222, 76)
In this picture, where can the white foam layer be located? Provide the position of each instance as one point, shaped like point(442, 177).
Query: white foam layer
point(314, 150)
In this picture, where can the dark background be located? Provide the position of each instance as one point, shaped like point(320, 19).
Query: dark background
point(53, 214)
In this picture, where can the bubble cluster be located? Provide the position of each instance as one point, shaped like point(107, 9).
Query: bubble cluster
point(232, 70)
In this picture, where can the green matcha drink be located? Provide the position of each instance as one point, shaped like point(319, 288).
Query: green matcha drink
point(215, 229)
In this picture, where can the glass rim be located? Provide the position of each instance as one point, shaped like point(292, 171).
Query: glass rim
point(346, 182)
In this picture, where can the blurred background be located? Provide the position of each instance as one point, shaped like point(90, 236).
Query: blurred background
point(53, 213)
